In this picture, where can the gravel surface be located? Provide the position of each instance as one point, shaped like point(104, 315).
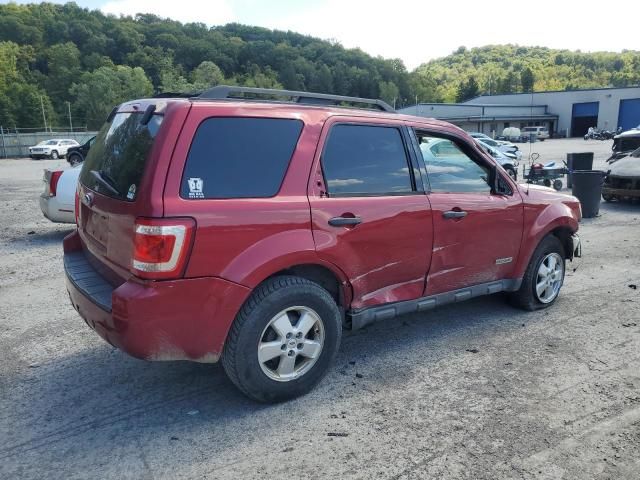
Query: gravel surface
point(476, 390)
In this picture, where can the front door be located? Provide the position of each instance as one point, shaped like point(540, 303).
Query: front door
point(477, 232)
point(371, 217)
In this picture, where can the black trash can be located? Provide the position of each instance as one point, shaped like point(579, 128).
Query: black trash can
point(587, 186)
point(578, 161)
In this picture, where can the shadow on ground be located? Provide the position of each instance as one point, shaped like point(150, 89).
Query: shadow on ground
point(90, 395)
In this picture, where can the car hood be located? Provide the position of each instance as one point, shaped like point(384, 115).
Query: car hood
point(539, 192)
point(626, 167)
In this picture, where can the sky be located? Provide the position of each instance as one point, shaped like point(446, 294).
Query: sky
point(413, 30)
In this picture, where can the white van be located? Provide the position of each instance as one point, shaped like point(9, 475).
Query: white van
point(541, 133)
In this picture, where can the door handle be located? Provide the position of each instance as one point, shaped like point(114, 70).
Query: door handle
point(454, 214)
point(344, 221)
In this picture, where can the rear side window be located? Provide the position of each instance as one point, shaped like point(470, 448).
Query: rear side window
point(239, 157)
point(115, 163)
point(366, 160)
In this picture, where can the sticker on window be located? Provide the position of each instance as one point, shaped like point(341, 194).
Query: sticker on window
point(195, 188)
point(132, 192)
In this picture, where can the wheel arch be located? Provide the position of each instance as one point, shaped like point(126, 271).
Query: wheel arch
point(559, 223)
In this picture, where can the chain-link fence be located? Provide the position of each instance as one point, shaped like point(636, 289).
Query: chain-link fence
point(15, 142)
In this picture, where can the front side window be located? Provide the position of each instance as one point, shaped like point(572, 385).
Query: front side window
point(449, 169)
point(366, 160)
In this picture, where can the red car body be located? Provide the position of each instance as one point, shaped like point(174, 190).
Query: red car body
point(404, 250)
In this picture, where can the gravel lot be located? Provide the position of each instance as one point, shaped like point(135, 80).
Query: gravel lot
point(476, 390)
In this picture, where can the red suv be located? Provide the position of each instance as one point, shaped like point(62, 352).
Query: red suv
point(251, 226)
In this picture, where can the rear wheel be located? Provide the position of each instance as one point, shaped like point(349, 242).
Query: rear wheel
point(608, 198)
point(283, 340)
point(557, 184)
point(546, 182)
point(544, 276)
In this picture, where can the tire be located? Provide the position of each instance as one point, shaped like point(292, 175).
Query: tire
point(54, 155)
point(282, 298)
point(527, 296)
point(557, 185)
point(546, 182)
point(512, 173)
point(75, 159)
point(608, 198)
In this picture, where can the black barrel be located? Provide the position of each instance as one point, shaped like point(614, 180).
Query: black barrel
point(578, 161)
point(587, 186)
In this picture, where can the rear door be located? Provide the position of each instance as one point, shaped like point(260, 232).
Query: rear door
point(477, 232)
point(369, 211)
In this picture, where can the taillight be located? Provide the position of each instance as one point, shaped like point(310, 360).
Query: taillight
point(53, 182)
point(77, 206)
point(160, 247)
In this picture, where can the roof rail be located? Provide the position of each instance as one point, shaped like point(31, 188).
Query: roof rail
point(239, 93)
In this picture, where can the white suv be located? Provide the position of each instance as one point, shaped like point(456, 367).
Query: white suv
point(55, 148)
point(541, 133)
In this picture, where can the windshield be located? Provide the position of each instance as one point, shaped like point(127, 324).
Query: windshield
point(115, 163)
point(50, 142)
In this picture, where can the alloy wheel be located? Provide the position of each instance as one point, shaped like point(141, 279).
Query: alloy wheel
point(291, 343)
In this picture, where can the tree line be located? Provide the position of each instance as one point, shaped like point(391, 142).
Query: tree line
point(63, 58)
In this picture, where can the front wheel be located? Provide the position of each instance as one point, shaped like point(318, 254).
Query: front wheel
point(54, 155)
point(512, 173)
point(283, 340)
point(544, 276)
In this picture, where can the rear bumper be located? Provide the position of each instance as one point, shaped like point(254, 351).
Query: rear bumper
point(56, 211)
point(185, 319)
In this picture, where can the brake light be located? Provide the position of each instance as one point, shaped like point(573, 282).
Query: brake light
point(53, 182)
point(160, 247)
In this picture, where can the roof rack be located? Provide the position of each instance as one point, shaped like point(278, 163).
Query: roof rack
point(250, 93)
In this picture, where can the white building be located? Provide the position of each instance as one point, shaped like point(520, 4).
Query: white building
point(564, 113)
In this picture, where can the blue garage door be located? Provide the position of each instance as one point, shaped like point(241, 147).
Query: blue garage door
point(583, 116)
point(629, 115)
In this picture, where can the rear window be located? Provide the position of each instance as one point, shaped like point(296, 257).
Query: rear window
point(239, 157)
point(115, 163)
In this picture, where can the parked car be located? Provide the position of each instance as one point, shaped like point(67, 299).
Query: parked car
point(230, 227)
point(541, 133)
point(57, 201)
point(508, 161)
point(76, 155)
point(54, 149)
point(508, 148)
point(624, 143)
point(623, 179)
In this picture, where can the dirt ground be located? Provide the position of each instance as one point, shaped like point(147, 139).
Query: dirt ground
point(471, 391)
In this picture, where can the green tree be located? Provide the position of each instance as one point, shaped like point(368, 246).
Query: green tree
point(389, 92)
point(99, 91)
point(527, 80)
point(206, 75)
point(468, 90)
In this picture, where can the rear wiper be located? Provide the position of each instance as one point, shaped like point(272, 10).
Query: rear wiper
point(105, 180)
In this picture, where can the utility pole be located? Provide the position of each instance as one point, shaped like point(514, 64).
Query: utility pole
point(44, 117)
point(70, 124)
